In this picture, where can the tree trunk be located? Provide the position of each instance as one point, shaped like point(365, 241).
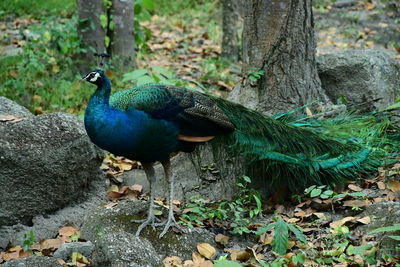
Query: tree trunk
point(232, 27)
point(123, 45)
point(90, 32)
point(278, 38)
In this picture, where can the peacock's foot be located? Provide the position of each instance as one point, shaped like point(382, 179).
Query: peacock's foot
point(153, 224)
point(168, 223)
point(151, 220)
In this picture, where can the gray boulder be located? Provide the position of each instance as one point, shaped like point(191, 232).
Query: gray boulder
point(113, 234)
point(369, 79)
point(9, 107)
point(46, 163)
point(33, 261)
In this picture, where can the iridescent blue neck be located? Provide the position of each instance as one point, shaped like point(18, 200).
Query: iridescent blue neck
point(102, 94)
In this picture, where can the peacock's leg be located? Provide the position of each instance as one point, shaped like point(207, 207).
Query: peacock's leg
point(170, 179)
point(149, 170)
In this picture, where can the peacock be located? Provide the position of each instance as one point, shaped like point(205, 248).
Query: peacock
point(150, 122)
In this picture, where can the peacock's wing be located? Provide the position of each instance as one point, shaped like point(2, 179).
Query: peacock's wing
point(195, 114)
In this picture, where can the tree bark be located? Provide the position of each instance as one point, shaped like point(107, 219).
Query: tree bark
point(90, 32)
point(278, 37)
point(123, 45)
point(232, 27)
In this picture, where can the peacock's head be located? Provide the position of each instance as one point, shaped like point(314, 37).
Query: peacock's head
point(95, 76)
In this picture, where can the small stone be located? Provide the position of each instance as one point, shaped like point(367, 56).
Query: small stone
point(344, 3)
point(66, 249)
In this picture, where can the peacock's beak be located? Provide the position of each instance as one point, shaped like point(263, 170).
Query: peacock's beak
point(83, 79)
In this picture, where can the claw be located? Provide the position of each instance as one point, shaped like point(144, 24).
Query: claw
point(168, 223)
point(149, 221)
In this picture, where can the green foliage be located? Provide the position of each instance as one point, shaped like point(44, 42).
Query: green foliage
point(176, 7)
point(392, 228)
point(28, 240)
point(236, 214)
point(226, 263)
point(216, 71)
point(255, 74)
point(43, 77)
point(338, 248)
point(142, 10)
point(281, 234)
point(37, 8)
point(157, 75)
point(321, 191)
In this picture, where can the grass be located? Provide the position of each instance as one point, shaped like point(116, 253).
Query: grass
point(37, 8)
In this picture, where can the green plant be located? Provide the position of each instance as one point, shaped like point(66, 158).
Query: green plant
point(217, 69)
point(325, 192)
point(281, 234)
point(157, 75)
point(28, 241)
point(255, 74)
point(392, 228)
point(37, 8)
point(142, 10)
point(236, 214)
point(223, 262)
point(321, 191)
point(43, 76)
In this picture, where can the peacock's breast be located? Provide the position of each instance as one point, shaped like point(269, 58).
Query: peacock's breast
point(131, 134)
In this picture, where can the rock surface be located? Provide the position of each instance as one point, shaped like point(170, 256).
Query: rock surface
point(113, 235)
point(368, 79)
point(65, 251)
point(33, 261)
point(384, 214)
point(47, 162)
point(9, 107)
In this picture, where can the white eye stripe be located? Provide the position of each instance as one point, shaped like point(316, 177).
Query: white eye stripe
point(96, 76)
point(86, 77)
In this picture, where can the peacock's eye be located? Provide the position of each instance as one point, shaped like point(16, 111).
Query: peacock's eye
point(94, 76)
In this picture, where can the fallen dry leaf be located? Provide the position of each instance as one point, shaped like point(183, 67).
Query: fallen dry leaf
point(124, 166)
point(51, 243)
point(393, 185)
point(357, 203)
point(11, 255)
point(320, 215)
point(67, 231)
point(266, 239)
point(354, 187)
point(207, 250)
point(222, 239)
point(188, 263)
point(10, 118)
point(293, 220)
point(206, 264)
point(369, 6)
point(341, 222)
point(364, 220)
point(240, 256)
point(136, 187)
point(381, 185)
point(110, 205)
point(197, 258)
point(173, 261)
